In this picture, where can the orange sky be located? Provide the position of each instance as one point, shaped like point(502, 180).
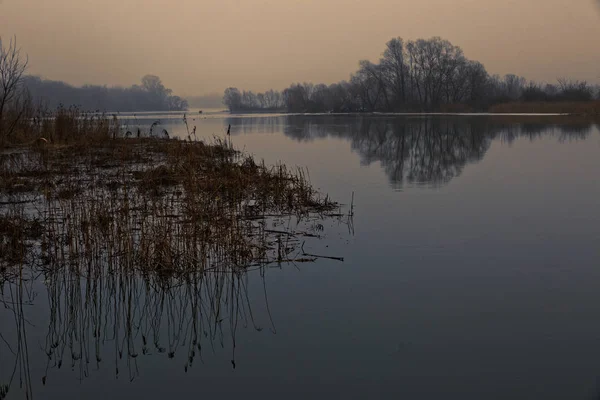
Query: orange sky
point(200, 46)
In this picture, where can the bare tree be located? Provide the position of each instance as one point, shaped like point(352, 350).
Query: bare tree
point(575, 90)
point(393, 63)
point(513, 86)
point(376, 73)
point(12, 68)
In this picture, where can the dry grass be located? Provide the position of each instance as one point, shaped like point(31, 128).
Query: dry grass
point(150, 205)
point(65, 126)
point(591, 108)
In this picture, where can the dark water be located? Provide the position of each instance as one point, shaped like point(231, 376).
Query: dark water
point(473, 272)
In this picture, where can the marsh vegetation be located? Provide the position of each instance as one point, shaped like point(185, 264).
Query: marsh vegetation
point(132, 236)
point(164, 204)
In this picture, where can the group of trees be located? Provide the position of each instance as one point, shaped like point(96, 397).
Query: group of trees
point(150, 95)
point(565, 90)
point(249, 101)
point(421, 75)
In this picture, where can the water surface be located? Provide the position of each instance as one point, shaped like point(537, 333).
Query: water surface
point(472, 271)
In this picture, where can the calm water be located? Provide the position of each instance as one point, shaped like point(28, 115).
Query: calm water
point(473, 272)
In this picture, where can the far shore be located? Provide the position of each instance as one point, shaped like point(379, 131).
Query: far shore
point(580, 109)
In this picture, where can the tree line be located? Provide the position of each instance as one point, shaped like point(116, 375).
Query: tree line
point(413, 76)
point(150, 95)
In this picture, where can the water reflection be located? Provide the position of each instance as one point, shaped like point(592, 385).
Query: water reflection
point(411, 149)
point(14, 297)
point(112, 317)
point(146, 316)
point(497, 300)
point(416, 150)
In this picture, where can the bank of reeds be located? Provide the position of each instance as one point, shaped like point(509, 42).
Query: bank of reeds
point(72, 189)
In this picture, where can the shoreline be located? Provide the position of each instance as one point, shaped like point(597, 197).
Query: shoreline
point(579, 109)
point(423, 114)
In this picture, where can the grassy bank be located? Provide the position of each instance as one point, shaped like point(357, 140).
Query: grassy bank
point(587, 108)
point(580, 109)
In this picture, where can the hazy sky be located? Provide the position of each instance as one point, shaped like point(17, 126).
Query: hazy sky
point(200, 46)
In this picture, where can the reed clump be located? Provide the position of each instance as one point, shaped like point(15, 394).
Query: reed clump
point(159, 206)
point(39, 126)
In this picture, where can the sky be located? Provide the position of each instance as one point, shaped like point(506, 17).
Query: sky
point(203, 46)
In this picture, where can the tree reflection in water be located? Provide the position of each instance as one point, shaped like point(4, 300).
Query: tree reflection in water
point(417, 149)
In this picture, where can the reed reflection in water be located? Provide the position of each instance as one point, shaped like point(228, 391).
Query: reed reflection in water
point(109, 316)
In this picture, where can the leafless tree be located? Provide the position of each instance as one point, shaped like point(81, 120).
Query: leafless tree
point(393, 63)
point(376, 73)
point(12, 102)
point(513, 86)
point(575, 90)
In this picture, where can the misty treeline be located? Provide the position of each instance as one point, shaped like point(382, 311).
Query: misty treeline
point(23, 96)
point(421, 75)
point(19, 93)
point(249, 101)
point(149, 95)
